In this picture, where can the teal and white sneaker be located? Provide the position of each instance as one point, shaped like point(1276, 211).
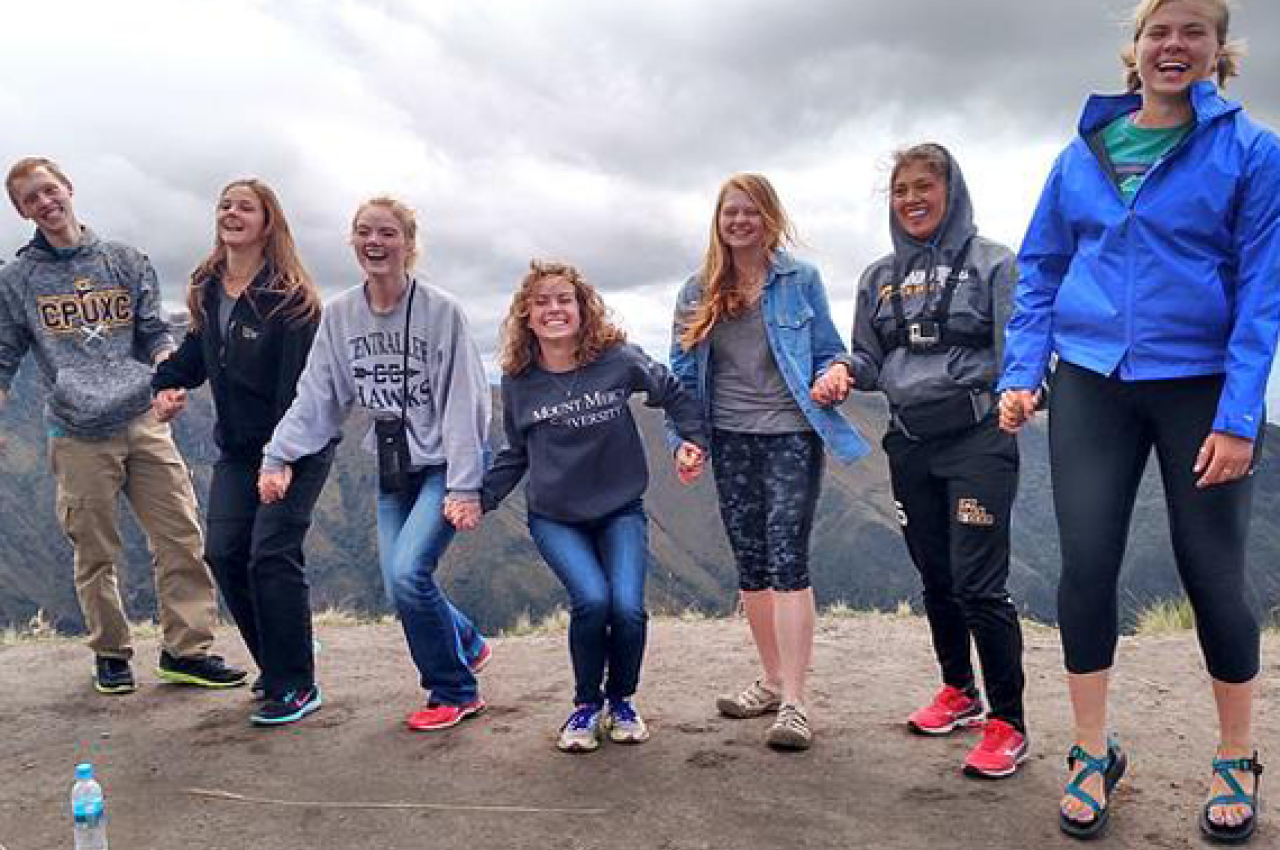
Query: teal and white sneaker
point(625, 724)
point(289, 708)
point(582, 732)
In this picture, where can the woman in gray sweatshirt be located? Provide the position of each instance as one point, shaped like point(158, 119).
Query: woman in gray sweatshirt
point(402, 351)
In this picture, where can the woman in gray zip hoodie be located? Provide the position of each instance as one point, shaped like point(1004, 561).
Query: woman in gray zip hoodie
point(927, 333)
point(402, 351)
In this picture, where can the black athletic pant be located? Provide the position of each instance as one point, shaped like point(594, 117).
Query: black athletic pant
point(954, 495)
point(255, 552)
point(1100, 433)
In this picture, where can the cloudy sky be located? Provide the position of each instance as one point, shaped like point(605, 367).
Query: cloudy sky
point(582, 130)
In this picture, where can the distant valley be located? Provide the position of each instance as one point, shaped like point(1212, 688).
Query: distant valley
point(495, 574)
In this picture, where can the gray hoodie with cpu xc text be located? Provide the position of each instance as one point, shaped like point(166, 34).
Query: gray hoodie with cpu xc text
point(980, 305)
point(91, 317)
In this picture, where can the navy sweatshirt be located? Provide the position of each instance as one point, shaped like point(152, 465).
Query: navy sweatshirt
point(574, 434)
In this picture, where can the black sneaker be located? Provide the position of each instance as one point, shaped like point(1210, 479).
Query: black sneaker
point(113, 676)
point(291, 707)
point(205, 671)
point(258, 688)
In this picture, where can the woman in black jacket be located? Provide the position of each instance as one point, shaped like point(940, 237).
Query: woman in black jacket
point(254, 312)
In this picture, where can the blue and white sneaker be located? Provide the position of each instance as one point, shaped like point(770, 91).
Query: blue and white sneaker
point(290, 708)
point(582, 732)
point(625, 724)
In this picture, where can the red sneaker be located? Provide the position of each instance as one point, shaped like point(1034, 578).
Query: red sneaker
point(999, 753)
point(436, 716)
point(951, 709)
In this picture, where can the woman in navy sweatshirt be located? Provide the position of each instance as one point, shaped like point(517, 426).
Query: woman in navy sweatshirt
point(568, 374)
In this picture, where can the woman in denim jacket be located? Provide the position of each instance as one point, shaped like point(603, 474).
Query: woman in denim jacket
point(752, 333)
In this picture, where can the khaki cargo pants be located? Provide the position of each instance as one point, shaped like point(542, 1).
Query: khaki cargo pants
point(144, 464)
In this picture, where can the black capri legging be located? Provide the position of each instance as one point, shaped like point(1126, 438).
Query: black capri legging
point(1101, 431)
point(768, 486)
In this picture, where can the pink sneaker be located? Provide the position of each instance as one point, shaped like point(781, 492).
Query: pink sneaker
point(437, 716)
point(999, 753)
point(951, 709)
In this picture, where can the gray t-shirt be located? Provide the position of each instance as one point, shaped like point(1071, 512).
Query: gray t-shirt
point(748, 393)
point(226, 306)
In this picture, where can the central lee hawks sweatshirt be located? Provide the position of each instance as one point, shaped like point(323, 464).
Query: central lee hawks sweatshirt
point(574, 434)
point(358, 359)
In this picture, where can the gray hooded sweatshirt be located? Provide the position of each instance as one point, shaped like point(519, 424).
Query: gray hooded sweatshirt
point(91, 316)
point(357, 359)
point(980, 305)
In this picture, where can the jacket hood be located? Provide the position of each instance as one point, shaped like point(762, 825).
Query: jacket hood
point(40, 249)
point(954, 230)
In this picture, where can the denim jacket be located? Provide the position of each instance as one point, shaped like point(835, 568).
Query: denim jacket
point(802, 337)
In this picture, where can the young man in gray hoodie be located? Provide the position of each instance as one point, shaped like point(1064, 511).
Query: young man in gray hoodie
point(88, 310)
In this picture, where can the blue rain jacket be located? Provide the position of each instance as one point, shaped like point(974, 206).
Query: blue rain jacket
point(802, 337)
point(1183, 282)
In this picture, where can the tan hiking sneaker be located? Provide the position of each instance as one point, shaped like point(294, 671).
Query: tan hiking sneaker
point(791, 731)
point(754, 701)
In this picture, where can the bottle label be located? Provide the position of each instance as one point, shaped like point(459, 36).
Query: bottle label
point(88, 811)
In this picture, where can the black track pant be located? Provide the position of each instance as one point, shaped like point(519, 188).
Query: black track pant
point(255, 552)
point(1100, 433)
point(954, 495)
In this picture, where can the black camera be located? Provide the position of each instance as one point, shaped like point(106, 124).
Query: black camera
point(393, 454)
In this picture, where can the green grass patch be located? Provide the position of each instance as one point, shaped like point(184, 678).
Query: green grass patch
point(1166, 616)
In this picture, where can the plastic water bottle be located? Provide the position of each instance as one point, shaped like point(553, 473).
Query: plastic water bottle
point(89, 809)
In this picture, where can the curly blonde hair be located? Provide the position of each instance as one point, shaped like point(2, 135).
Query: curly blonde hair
point(596, 333)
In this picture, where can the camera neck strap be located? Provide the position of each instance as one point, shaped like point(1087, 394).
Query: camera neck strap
point(404, 358)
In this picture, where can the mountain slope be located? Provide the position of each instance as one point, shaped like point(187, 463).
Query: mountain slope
point(496, 574)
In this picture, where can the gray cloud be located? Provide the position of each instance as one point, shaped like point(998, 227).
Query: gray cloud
point(593, 132)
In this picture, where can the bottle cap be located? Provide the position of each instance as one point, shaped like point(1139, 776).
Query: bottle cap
point(84, 771)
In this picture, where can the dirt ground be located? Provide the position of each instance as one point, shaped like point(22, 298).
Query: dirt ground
point(352, 776)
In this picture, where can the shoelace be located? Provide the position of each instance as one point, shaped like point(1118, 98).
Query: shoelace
point(793, 717)
point(996, 737)
point(624, 711)
point(583, 718)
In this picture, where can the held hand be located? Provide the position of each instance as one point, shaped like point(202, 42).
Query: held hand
point(272, 485)
point(690, 461)
point(1223, 458)
point(832, 387)
point(1017, 408)
point(464, 514)
point(167, 404)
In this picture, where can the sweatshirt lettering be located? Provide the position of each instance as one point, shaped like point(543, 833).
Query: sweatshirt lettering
point(590, 408)
point(378, 370)
point(916, 283)
point(87, 308)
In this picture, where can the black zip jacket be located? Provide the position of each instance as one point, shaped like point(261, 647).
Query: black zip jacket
point(253, 373)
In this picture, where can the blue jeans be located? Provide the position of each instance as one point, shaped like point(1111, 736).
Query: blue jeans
point(602, 565)
point(412, 537)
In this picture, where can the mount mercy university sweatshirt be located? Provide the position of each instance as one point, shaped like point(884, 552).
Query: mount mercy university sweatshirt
point(574, 434)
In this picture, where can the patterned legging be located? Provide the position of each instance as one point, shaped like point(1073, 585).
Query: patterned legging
point(768, 486)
